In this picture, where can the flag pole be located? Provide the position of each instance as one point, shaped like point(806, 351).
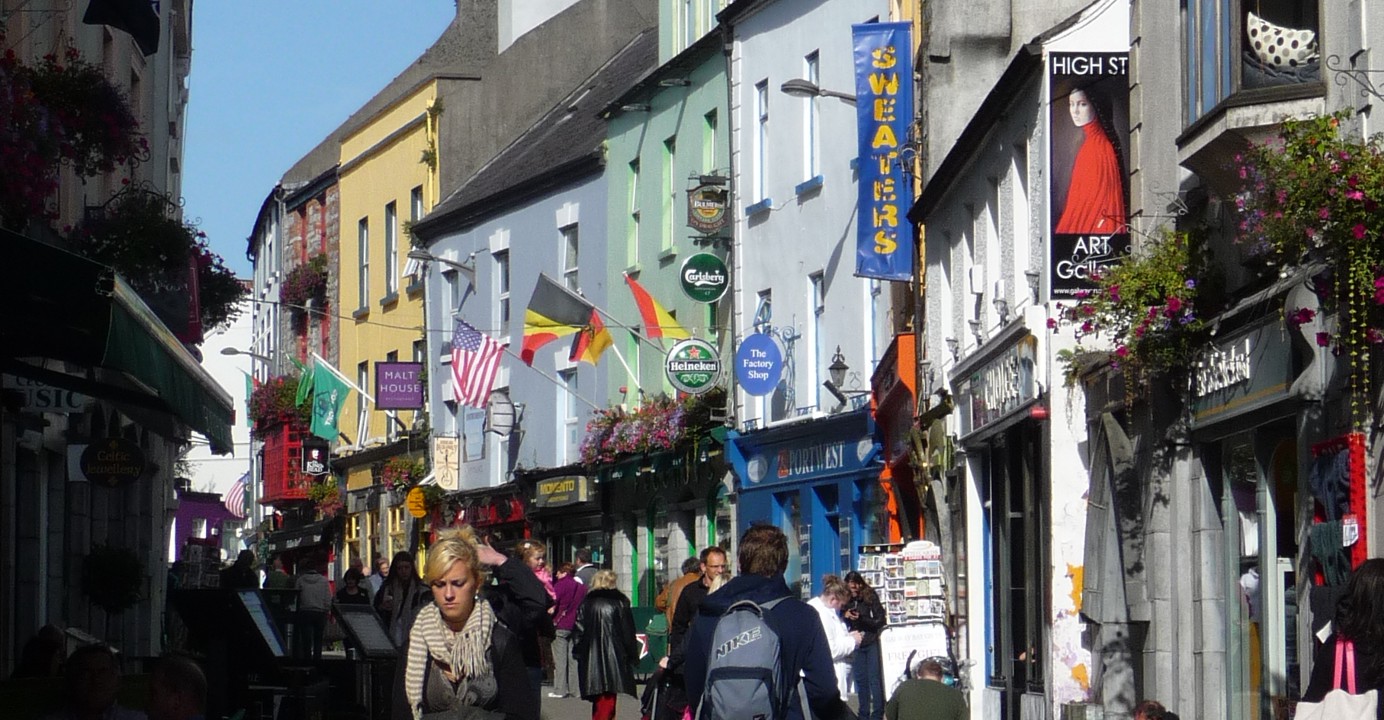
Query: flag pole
point(630, 328)
point(341, 377)
point(633, 378)
point(550, 378)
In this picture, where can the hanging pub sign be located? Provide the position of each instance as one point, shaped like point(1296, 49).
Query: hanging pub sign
point(884, 112)
point(112, 462)
point(1089, 187)
point(758, 364)
point(995, 390)
point(398, 385)
point(704, 277)
point(693, 366)
point(706, 208)
point(315, 456)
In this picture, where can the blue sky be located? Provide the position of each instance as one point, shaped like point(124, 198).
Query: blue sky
point(270, 80)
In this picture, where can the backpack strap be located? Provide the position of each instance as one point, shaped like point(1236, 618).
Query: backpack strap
point(1350, 666)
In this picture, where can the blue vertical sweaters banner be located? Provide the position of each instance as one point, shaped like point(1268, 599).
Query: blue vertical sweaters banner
point(884, 107)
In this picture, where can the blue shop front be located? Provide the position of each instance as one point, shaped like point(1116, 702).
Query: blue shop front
point(819, 481)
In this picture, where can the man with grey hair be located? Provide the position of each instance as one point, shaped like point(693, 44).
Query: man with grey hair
point(926, 697)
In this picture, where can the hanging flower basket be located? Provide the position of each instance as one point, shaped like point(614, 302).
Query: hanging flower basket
point(327, 496)
point(276, 402)
point(659, 424)
point(402, 472)
point(307, 282)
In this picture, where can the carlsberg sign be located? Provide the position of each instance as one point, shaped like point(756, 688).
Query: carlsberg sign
point(704, 277)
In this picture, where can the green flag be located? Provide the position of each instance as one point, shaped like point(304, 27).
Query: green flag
point(249, 393)
point(328, 395)
point(304, 381)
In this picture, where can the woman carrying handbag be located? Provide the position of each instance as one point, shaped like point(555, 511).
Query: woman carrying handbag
point(1348, 671)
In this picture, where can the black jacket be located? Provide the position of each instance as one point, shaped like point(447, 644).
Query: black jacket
point(871, 620)
point(1324, 672)
point(683, 614)
point(514, 700)
point(521, 603)
point(605, 646)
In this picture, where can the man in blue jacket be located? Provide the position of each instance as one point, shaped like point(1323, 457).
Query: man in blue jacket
point(763, 556)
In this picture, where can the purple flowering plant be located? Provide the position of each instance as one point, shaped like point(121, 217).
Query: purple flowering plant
point(659, 424)
point(1312, 197)
point(402, 471)
point(1143, 313)
point(306, 282)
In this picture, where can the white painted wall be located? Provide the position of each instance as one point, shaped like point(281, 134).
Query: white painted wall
point(520, 16)
point(216, 473)
point(813, 232)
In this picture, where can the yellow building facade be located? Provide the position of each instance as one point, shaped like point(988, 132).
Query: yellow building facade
point(388, 178)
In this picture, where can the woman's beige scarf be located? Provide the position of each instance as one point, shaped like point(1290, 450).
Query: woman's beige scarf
point(463, 651)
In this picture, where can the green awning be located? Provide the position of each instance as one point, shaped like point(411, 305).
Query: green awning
point(65, 307)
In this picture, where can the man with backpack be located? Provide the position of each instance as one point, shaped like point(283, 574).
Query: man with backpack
point(755, 650)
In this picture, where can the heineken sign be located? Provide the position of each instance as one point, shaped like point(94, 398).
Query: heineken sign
point(705, 278)
point(693, 366)
point(706, 207)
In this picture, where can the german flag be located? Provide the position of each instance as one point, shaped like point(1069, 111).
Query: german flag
point(658, 323)
point(591, 341)
point(554, 312)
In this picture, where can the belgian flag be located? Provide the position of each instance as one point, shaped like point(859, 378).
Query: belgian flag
point(554, 312)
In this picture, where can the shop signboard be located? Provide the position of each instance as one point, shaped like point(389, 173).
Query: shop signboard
point(706, 207)
point(315, 456)
point(112, 462)
point(883, 59)
point(398, 385)
point(1245, 371)
point(693, 366)
point(704, 277)
point(39, 397)
point(562, 491)
point(416, 502)
point(444, 461)
point(758, 364)
point(1000, 386)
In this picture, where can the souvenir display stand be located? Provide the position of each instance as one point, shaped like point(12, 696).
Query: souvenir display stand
point(909, 580)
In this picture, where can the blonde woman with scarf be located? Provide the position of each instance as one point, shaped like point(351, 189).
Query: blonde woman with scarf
point(460, 661)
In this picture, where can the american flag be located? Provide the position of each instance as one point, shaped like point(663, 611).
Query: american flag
point(475, 359)
point(235, 497)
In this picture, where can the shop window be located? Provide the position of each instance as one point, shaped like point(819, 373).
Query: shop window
point(659, 549)
point(1255, 477)
point(789, 516)
point(1236, 46)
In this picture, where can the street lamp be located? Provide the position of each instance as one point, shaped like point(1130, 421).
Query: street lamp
point(252, 355)
point(467, 268)
point(838, 367)
point(799, 87)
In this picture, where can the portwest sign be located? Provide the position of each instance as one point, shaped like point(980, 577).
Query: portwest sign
point(999, 387)
point(112, 462)
point(562, 491)
point(758, 364)
point(706, 208)
point(693, 366)
point(705, 278)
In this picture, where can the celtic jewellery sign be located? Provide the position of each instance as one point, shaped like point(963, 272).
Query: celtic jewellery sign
point(112, 462)
point(693, 366)
point(706, 207)
point(704, 277)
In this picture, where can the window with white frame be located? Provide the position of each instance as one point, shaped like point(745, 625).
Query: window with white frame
point(363, 269)
point(570, 427)
point(670, 155)
point(391, 250)
point(709, 142)
point(502, 291)
point(632, 247)
point(362, 423)
point(199, 528)
point(571, 244)
point(453, 280)
point(811, 127)
point(689, 23)
point(415, 204)
point(817, 342)
point(761, 140)
point(391, 417)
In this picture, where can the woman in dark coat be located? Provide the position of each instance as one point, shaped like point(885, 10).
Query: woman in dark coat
point(605, 646)
point(865, 613)
point(400, 597)
point(1359, 621)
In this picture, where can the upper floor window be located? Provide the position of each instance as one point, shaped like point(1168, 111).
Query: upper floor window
point(670, 191)
point(812, 73)
point(1245, 45)
point(502, 290)
point(363, 250)
point(571, 243)
point(632, 247)
point(391, 249)
point(761, 140)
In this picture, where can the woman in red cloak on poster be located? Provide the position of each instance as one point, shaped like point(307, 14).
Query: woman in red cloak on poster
point(1095, 202)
